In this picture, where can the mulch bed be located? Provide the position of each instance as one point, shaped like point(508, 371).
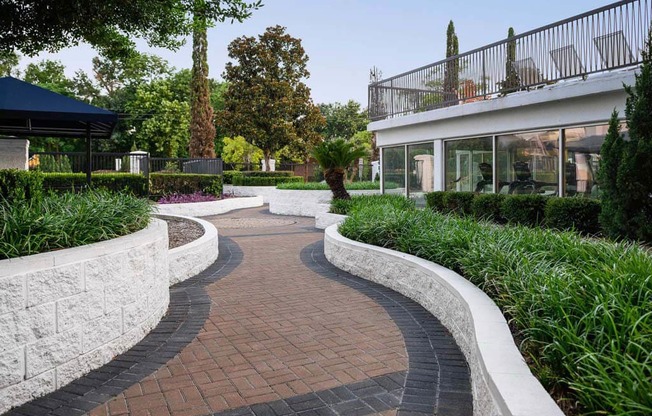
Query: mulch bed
point(182, 231)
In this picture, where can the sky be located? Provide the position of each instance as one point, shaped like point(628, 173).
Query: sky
point(345, 38)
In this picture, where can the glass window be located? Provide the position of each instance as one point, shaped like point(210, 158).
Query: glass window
point(469, 165)
point(421, 173)
point(528, 163)
point(394, 170)
point(582, 158)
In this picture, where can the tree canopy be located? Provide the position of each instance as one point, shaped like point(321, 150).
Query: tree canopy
point(266, 101)
point(343, 120)
point(32, 26)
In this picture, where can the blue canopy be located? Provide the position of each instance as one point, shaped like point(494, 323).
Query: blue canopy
point(29, 110)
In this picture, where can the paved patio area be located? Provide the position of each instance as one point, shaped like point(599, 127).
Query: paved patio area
point(272, 328)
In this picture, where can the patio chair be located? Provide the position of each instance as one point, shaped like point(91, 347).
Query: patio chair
point(567, 61)
point(614, 49)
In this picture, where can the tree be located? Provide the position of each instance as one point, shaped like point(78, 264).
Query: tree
point(51, 75)
point(238, 151)
point(611, 153)
point(511, 77)
point(343, 120)
point(335, 156)
point(630, 200)
point(266, 101)
point(451, 75)
point(9, 64)
point(32, 26)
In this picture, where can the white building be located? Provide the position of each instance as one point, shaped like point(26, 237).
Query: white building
point(524, 115)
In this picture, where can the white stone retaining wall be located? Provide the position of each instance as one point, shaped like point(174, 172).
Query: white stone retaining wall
point(205, 209)
point(66, 312)
point(324, 220)
point(190, 259)
point(291, 202)
point(501, 380)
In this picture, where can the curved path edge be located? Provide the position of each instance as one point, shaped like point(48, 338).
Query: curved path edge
point(188, 310)
point(502, 383)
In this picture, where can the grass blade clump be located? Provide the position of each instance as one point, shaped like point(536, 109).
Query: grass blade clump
point(68, 220)
point(582, 308)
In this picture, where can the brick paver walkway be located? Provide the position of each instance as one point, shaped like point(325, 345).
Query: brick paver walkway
point(273, 329)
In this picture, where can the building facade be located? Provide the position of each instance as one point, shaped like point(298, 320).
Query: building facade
point(524, 115)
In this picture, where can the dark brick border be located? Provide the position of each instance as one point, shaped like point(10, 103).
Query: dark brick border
point(438, 380)
point(188, 310)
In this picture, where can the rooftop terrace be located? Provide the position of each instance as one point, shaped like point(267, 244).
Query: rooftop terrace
point(604, 39)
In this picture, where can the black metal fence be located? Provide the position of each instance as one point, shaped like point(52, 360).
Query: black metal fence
point(607, 38)
point(137, 163)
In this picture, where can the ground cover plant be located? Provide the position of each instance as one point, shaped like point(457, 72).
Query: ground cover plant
point(353, 186)
point(187, 198)
point(582, 307)
point(68, 220)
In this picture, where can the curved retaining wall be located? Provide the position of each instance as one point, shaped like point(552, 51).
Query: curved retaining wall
point(205, 209)
point(324, 220)
point(193, 258)
point(291, 202)
point(67, 312)
point(502, 382)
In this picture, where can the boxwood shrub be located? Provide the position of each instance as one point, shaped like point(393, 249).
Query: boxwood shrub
point(270, 174)
point(579, 214)
point(524, 209)
point(435, 201)
point(20, 185)
point(459, 203)
point(227, 175)
point(115, 182)
point(264, 181)
point(487, 207)
point(162, 184)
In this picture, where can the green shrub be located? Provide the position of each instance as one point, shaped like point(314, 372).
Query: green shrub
point(579, 214)
point(435, 201)
point(115, 182)
point(264, 181)
point(318, 186)
point(397, 202)
point(52, 163)
point(580, 306)
point(184, 183)
point(487, 207)
point(227, 175)
point(68, 220)
point(19, 185)
point(271, 174)
point(459, 202)
point(524, 209)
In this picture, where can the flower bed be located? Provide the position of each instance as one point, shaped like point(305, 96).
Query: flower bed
point(581, 307)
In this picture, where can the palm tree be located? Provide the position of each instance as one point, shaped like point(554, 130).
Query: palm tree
point(335, 156)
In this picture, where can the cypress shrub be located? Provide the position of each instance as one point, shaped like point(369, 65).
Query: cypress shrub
point(435, 201)
point(20, 185)
point(487, 207)
point(524, 209)
point(579, 214)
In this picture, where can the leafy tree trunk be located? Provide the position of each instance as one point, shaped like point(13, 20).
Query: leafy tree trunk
point(202, 129)
point(268, 157)
point(335, 180)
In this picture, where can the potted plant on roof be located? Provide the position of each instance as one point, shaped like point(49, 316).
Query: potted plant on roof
point(334, 157)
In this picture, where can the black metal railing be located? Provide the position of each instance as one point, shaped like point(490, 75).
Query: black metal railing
point(607, 38)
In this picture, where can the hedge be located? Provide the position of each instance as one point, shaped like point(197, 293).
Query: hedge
point(579, 214)
point(19, 185)
point(162, 184)
point(114, 182)
point(227, 175)
point(264, 181)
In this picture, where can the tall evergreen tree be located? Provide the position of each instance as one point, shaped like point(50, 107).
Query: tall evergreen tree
point(511, 77)
point(611, 153)
point(629, 201)
point(451, 74)
point(202, 129)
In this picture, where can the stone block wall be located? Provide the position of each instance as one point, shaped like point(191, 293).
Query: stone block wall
point(67, 312)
